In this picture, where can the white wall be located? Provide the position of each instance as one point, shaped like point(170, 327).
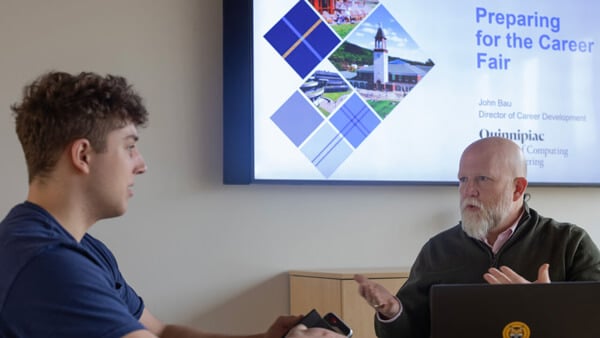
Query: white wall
point(200, 252)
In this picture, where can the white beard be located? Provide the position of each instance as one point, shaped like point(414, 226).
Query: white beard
point(479, 223)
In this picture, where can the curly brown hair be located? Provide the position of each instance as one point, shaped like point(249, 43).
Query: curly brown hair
point(58, 108)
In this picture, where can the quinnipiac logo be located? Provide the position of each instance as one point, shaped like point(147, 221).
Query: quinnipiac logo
point(356, 63)
point(516, 330)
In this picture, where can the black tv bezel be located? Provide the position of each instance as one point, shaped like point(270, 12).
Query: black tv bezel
point(238, 114)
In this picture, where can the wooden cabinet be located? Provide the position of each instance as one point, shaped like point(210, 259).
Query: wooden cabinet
point(336, 291)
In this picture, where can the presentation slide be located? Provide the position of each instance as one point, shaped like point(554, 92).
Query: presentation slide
point(393, 91)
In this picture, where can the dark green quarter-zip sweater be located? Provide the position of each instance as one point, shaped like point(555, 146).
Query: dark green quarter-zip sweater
point(453, 257)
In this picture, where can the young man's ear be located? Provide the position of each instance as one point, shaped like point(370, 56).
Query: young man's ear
point(80, 154)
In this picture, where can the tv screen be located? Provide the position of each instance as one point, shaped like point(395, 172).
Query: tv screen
point(376, 91)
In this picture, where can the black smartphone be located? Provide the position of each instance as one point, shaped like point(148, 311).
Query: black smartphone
point(338, 325)
point(313, 319)
point(330, 321)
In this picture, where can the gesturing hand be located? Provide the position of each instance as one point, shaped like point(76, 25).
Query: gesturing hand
point(377, 296)
point(506, 275)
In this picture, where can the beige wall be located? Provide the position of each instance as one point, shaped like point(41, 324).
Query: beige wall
point(199, 252)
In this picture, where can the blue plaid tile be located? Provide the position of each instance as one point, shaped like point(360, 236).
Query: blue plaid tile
point(355, 120)
point(302, 38)
point(326, 149)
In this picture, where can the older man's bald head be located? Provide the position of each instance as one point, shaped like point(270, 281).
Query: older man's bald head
point(502, 153)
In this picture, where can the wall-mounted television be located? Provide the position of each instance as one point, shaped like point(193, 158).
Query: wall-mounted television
point(391, 91)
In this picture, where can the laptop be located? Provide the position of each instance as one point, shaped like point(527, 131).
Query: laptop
point(555, 310)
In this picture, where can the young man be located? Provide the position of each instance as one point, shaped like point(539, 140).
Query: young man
point(79, 135)
point(500, 240)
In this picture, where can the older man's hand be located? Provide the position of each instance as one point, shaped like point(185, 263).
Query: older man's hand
point(506, 275)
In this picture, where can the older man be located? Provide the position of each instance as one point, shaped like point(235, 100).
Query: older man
point(499, 240)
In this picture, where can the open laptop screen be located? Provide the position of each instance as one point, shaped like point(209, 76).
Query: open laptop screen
point(555, 310)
